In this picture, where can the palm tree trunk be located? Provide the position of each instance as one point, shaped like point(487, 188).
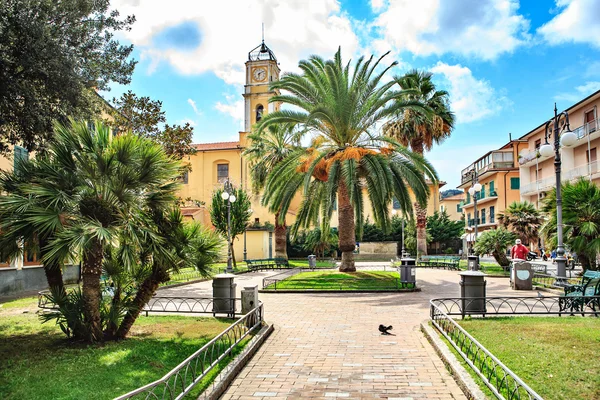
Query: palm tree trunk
point(92, 295)
point(280, 238)
point(233, 254)
point(500, 257)
point(417, 146)
point(144, 294)
point(346, 229)
point(53, 271)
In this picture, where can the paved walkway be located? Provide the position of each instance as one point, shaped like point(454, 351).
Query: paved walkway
point(328, 345)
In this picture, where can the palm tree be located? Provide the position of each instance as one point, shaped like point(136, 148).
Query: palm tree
point(346, 158)
point(495, 242)
point(92, 192)
point(266, 151)
point(420, 129)
point(321, 241)
point(522, 218)
point(581, 220)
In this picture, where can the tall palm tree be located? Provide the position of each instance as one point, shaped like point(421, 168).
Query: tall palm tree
point(265, 152)
point(522, 218)
point(92, 191)
point(421, 129)
point(347, 157)
point(581, 220)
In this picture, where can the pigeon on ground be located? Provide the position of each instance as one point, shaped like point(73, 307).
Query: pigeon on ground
point(385, 329)
point(540, 294)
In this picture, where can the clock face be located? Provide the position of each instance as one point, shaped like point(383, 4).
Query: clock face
point(259, 74)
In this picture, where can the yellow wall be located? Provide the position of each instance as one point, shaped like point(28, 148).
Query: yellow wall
point(257, 245)
point(449, 204)
point(6, 164)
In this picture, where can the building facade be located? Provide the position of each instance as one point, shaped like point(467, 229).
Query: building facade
point(536, 172)
point(498, 173)
point(453, 206)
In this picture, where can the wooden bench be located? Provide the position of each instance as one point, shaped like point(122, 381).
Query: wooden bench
point(267, 263)
point(446, 262)
point(581, 295)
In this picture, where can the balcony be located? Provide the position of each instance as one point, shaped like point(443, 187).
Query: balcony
point(491, 161)
point(586, 129)
point(482, 196)
point(546, 184)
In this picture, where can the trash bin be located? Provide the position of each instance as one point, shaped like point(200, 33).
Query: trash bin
point(312, 261)
point(473, 263)
point(521, 276)
point(224, 294)
point(472, 285)
point(407, 271)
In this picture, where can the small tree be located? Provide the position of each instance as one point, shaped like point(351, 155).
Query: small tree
point(240, 215)
point(320, 241)
point(522, 218)
point(495, 241)
point(442, 229)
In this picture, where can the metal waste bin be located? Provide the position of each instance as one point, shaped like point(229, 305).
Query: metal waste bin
point(521, 276)
point(224, 294)
point(407, 271)
point(312, 261)
point(473, 263)
point(472, 285)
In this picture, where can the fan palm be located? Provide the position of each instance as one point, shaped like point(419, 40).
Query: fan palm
point(420, 129)
point(265, 152)
point(581, 220)
point(522, 218)
point(346, 158)
point(91, 191)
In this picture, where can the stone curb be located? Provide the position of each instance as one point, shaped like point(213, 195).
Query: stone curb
point(313, 291)
point(226, 377)
point(459, 373)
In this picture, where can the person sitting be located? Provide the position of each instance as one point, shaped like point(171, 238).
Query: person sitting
point(519, 251)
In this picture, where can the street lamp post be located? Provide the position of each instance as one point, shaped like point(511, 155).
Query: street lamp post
point(473, 191)
point(402, 251)
point(557, 124)
point(229, 197)
point(245, 251)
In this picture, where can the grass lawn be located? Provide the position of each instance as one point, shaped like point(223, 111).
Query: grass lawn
point(559, 358)
point(491, 268)
point(38, 362)
point(333, 280)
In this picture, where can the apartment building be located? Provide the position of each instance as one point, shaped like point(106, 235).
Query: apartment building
point(537, 175)
point(498, 173)
point(453, 206)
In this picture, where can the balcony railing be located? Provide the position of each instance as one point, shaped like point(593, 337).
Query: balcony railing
point(493, 160)
point(482, 195)
point(581, 132)
point(550, 182)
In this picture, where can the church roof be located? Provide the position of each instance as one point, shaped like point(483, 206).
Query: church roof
point(216, 146)
point(261, 52)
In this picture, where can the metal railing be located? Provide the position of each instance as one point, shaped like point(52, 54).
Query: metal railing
point(182, 379)
point(550, 281)
point(503, 383)
point(344, 284)
point(195, 305)
point(274, 279)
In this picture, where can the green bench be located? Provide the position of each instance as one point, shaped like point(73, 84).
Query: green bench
point(267, 263)
point(446, 262)
point(582, 295)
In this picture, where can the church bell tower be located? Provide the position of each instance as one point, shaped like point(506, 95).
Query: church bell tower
point(261, 69)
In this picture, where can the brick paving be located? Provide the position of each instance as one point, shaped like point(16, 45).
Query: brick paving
point(328, 346)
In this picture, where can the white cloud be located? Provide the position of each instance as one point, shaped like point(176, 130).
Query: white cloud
point(187, 121)
point(578, 21)
point(229, 29)
point(232, 107)
point(377, 5)
point(478, 28)
point(192, 103)
point(471, 99)
point(580, 92)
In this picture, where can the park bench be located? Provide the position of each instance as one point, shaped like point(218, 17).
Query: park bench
point(446, 262)
point(580, 295)
point(267, 263)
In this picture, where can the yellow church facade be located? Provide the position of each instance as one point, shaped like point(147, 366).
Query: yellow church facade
point(215, 163)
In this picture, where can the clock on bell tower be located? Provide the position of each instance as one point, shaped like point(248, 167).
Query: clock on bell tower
point(261, 69)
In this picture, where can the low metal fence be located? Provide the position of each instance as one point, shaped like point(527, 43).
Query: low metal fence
point(195, 305)
point(182, 379)
point(501, 381)
point(273, 279)
point(554, 282)
point(359, 284)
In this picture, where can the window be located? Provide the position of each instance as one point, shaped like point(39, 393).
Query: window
point(468, 197)
point(395, 204)
point(515, 183)
point(458, 208)
point(538, 143)
point(483, 215)
point(469, 219)
point(185, 178)
point(492, 190)
point(442, 208)
point(491, 214)
point(222, 172)
point(21, 154)
point(259, 112)
point(590, 121)
point(591, 155)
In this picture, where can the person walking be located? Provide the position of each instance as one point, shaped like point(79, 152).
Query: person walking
point(519, 251)
point(553, 255)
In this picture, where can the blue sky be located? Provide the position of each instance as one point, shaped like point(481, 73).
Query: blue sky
point(504, 62)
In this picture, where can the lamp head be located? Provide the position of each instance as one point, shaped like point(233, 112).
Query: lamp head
point(477, 186)
point(224, 195)
point(568, 139)
point(232, 198)
point(547, 150)
point(471, 190)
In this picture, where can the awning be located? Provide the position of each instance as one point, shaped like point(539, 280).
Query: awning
point(470, 236)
